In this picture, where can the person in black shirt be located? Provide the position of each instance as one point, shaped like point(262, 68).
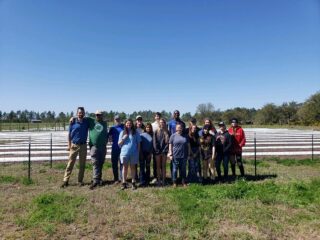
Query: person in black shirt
point(194, 158)
point(223, 149)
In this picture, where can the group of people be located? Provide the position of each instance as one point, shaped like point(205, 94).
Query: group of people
point(136, 144)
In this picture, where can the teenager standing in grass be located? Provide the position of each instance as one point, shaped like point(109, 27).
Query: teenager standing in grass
point(129, 142)
point(239, 140)
point(114, 133)
point(140, 128)
point(223, 148)
point(146, 151)
point(77, 145)
point(161, 148)
point(178, 152)
point(194, 158)
point(207, 146)
point(155, 127)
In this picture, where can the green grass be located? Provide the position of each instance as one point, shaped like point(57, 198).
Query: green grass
point(298, 162)
point(49, 209)
point(10, 179)
point(285, 205)
point(198, 205)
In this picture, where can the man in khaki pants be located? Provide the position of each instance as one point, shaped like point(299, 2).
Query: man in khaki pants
point(77, 144)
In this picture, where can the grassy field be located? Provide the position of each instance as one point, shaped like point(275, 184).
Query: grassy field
point(283, 202)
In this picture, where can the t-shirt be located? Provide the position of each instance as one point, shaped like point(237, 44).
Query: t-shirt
point(78, 131)
point(179, 145)
point(194, 141)
point(98, 133)
point(207, 142)
point(131, 145)
point(155, 126)
point(114, 133)
point(146, 143)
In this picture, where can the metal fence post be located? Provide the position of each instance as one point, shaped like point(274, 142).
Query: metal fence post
point(312, 147)
point(51, 150)
point(29, 160)
point(255, 155)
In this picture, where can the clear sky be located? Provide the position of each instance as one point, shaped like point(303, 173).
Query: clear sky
point(157, 54)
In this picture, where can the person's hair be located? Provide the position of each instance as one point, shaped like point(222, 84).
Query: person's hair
point(158, 113)
point(165, 130)
point(210, 122)
point(149, 125)
point(191, 134)
point(80, 108)
point(133, 129)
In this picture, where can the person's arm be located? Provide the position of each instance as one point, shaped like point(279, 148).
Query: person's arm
point(213, 148)
point(122, 138)
point(69, 141)
point(69, 135)
point(243, 140)
point(170, 151)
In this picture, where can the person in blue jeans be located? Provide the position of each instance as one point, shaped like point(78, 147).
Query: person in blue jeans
point(115, 149)
point(146, 154)
point(223, 150)
point(178, 153)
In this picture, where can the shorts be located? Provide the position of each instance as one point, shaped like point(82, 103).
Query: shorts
point(131, 159)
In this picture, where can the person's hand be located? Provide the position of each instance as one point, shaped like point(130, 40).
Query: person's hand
point(169, 156)
point(124, 137)
point(71, 119)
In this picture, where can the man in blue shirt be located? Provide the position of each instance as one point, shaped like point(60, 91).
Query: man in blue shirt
point(77, 145)
point(173, 122)
point(115, 150)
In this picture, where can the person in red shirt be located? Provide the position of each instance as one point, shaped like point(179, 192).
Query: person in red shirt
point(239, 140)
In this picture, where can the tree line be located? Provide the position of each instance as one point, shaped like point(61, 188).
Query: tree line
point(292, 113)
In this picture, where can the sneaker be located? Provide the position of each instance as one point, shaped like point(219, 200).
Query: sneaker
point(123, 186)
point(174, 185)
point(134, 186)
point(93, 185)
point(154, 181)
point(64, 185)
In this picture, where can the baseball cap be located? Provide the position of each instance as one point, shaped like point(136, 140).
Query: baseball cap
point(116, 117)
point(221, 124)
point(138, 117)
point(98, 112)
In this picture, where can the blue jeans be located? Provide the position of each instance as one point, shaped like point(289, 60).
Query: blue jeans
point(144, 173)
point(181, 164)
point(225, 159)
point(98, 155)
point(193, 167)
point(115, 154)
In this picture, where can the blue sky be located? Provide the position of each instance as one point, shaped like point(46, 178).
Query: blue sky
point(139, 55)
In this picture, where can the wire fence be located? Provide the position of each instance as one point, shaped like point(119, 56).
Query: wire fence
point(49, 147)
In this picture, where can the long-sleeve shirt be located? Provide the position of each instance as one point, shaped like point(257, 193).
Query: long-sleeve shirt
point(239, 138)
point(160, 142)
